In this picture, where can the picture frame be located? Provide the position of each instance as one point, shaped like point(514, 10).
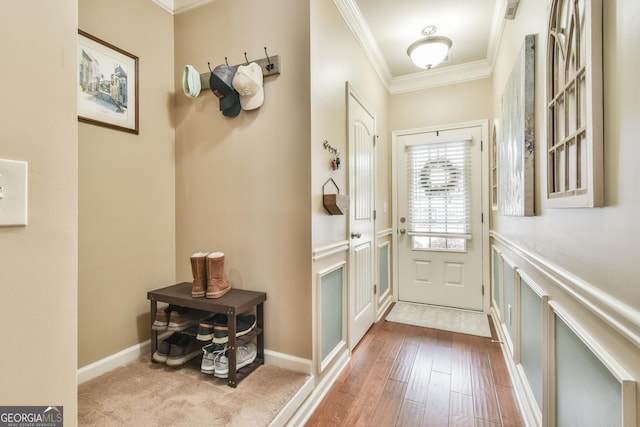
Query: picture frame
point(107, 85)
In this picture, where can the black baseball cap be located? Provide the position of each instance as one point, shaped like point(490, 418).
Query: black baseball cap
point(221, 84)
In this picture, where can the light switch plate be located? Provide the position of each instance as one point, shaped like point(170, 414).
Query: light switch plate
point(13, 192)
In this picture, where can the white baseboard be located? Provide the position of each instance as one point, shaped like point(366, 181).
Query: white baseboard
point(287, 361)
point(134, 352)
point(294, 404)
point(383, 308)
point(114, 361)
point(306, 409)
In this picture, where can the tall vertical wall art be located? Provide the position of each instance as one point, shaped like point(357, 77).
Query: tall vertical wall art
point(517, 137)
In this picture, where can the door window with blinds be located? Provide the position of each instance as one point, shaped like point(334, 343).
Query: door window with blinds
point(439, 193)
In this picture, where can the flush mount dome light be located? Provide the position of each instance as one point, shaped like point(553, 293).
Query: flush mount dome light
point(431, 50)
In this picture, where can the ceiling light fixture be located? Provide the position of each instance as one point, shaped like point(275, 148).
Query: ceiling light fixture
point(431, 50)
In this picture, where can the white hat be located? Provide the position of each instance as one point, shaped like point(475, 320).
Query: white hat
point(248, 83)
point(191, 82)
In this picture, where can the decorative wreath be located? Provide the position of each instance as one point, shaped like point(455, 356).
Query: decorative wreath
point(439, 175)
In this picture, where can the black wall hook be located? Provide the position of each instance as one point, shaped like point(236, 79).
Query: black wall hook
point(245, 58)
point(226, 61)
point(269, 66)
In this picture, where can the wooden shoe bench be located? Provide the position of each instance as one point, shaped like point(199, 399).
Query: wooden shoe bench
point(234, 302)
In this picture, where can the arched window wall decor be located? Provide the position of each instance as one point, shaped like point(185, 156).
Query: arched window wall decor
point(574, 104)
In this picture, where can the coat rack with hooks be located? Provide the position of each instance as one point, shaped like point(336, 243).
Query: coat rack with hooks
point(270, 66)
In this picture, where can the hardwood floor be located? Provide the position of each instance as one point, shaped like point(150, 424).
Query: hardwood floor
point(402, 375)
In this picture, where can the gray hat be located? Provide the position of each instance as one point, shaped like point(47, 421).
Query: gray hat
point(221, 84)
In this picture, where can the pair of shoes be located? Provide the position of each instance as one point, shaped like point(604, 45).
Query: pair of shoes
point(162, 319)
point(215, 328)
point(245, 355)
point(211, 352)
point(244, 324)
point(205, 327)
point(177, 350)
point(181, 318)
point(208, 275)
point(175, 318)
point(164, 347)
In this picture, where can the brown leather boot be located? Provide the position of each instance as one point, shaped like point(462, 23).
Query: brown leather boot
point(217, 286)
point(199, 270)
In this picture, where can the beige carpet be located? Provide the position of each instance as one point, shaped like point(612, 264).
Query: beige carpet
point(142, 393)
point(446, 319)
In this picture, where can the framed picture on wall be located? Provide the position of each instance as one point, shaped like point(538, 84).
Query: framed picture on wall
point(107, 85)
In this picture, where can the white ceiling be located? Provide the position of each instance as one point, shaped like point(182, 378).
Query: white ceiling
point(385, 28)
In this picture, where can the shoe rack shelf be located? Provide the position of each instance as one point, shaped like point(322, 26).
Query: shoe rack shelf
point(234, 302)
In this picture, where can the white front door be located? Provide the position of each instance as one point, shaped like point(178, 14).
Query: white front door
point(439, 208)
point(361, 142)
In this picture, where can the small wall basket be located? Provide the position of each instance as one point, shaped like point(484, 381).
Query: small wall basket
point(335, 204)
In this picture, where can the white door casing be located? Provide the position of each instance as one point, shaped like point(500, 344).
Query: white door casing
point(361, 145)
point(453, 276)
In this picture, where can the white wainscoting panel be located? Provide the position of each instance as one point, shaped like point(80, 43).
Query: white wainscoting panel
point(553, 330)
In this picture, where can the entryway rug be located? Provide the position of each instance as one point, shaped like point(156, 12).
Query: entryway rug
point(142, 393)
point(446, 319)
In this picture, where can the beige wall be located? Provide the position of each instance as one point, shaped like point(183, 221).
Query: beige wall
point(443, 105)
point(126, 206)
point(242, 184)
point(38, 283)
point(598, 245)
point(337, 58)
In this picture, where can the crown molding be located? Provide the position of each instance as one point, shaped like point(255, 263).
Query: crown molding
point(165, 4)
point(497, 26)
point(176, 7)
point(356, 23)
point(439, 76)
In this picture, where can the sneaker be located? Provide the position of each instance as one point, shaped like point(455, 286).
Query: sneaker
point(181, 318)
point(162, 319)
point(205, 327)
point(185, 349)
point(211, 351)
point(245, 355)
point(244, 325)
point(162, 353)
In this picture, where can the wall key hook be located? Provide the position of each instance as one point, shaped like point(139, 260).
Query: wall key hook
point(269, 66)
point(335, 163)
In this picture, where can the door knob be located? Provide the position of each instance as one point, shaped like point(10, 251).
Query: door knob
point(356, 235)
point(403, 231)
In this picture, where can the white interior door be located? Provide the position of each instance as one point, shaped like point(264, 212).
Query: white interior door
point(439, 211)
point(361, 142)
